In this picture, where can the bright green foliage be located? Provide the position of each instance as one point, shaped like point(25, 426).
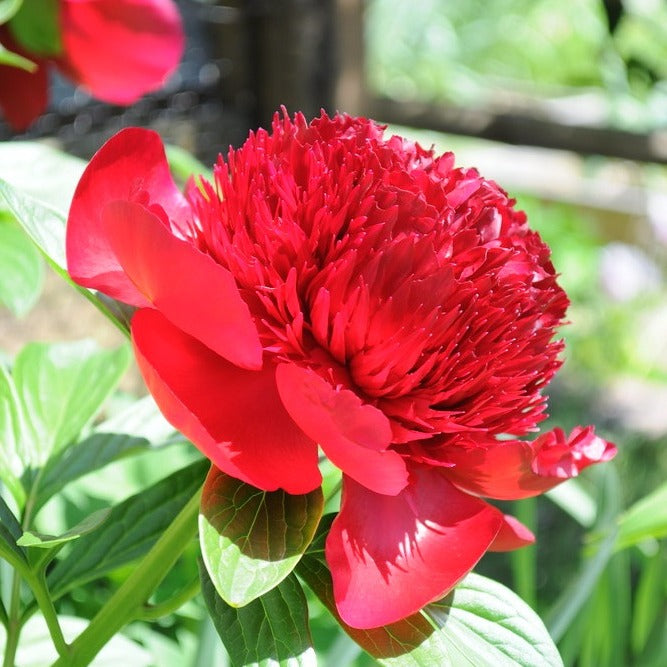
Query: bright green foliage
point(21, 269)
point(252, 539)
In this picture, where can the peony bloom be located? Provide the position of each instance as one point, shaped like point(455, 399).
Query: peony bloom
point(118, 49)
point(336, 288)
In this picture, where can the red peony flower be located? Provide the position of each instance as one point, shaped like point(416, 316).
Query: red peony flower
point(336, 288)
point(118, 49)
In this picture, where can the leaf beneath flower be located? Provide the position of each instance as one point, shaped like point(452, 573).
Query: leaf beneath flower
point(252, 539)
point(271, 630)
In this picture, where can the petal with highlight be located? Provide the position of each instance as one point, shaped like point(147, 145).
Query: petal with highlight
point(121, 49)
point(391, 555)
point(519, 469)
point(130, 166)
point(233, 416)
point(194, 292)
point(354, 435)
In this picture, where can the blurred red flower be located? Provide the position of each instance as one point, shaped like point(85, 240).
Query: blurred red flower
point(340, 289)
point(117, 49)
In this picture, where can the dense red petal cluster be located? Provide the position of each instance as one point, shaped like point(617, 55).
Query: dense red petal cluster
point(118, 49)
point(338, 289)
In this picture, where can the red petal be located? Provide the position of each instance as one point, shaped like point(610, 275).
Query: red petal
point(391, 555)
point(121, 49)
point(233, 416)
point(518, 469)
point(194, 292)
point(23, 95)
point(354, 435)
point(131, 165)
point(512, 535)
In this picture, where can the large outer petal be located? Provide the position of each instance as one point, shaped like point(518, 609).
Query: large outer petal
point(519, 469)
point(131, 165)
point(391, 555)
point(120, 49)
point(193, 291)
point(354, 435)
point(233, 416)
point(23, 95)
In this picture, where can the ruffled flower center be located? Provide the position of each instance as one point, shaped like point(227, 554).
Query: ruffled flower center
point(416, 280)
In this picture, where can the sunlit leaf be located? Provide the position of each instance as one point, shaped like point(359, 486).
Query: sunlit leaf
point(647, 518)
point(252, 539)
point(12, 449)
point(12, 59)
point(131, 529)
point(43, 541)
point(21, 268)
point(61, 387)
point(271, 631)
point(45, 225)
point(8, 8)
point(572, 498)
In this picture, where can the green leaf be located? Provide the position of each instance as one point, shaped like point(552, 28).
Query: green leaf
point(12, 59)
point(647, 518)
point(12, 452)
point(89, 524)
point(481, 624)
point(36, 26)
point(132, 528)
point(138, 428)
point(61, 387)
point(36, 647)
point(21, 268)
point(184, 165)
point(8, 8)
point(579, 590)
point(252, 539)
point(10, 532)
point(649, 600)
point(572, 498)
point(42, 173)
point(45, 225)
point(271, 631)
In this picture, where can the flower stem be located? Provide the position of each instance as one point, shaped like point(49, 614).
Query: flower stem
point(126, 603)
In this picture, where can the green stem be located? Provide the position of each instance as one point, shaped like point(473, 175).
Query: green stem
point(152, 612)
point(524, 561)
point(125, 605)
point(37, 583)
point(14, 623)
